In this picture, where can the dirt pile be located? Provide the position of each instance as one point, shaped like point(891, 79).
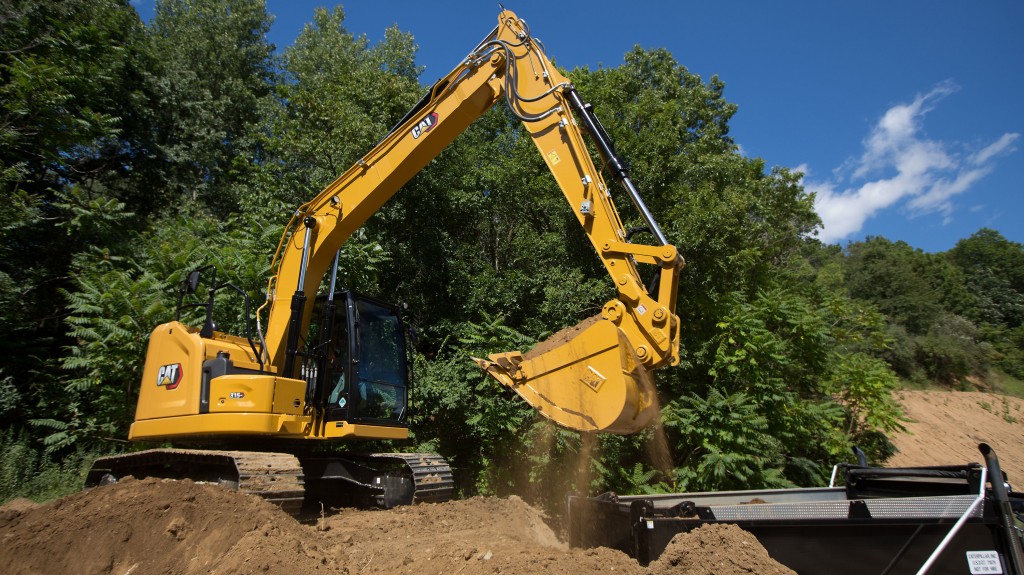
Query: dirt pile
point(946, 427)
point(477, 535)
point(183, 528)
point(153, 526)
point(716, 549)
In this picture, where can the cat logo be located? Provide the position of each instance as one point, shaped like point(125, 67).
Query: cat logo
point(169, 376)
point(426, 124)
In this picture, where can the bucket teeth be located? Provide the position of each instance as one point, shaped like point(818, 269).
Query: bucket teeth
point(508, 361)
point(503, 366)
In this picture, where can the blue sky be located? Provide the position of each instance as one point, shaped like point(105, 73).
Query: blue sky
point(905, 116)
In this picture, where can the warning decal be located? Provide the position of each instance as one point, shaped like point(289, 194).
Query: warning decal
point(984, 562)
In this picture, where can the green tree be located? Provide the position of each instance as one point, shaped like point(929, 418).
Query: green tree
point(994, 272)
point(467, 416)
point(894, 277)
point(863, 385)
point(337, 96)
point(952, 314)
point(66, 69)
point(991, 267)
point(213, 78)
point(723, 443)
point(952, 350)
point(71, 137)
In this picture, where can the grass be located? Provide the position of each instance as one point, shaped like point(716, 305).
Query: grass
point(25, 471)
point(1009, 408)
point(996, 381)
point(1004, 384)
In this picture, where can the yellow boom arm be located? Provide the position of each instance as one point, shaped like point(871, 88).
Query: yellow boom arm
point(599, 380)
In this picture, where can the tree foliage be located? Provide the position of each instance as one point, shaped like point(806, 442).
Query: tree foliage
point(71, 136)
point(211, 82)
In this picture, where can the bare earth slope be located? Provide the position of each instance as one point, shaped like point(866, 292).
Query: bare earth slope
point(947, 426)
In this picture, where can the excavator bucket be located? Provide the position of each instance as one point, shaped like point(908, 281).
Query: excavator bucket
point(592, 382)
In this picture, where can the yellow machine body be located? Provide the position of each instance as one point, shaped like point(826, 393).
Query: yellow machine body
point(174, 404)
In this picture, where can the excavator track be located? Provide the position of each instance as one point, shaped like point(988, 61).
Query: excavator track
point(292, 482)
point(276, 477)
point(376, 479)
point(431, 474)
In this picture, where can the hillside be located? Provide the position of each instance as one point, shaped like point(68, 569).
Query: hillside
point(945, 428)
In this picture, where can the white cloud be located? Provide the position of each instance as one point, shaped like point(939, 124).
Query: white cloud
point(1002, 145)
point(901, 168)
point(895, 135)
point(936, 199)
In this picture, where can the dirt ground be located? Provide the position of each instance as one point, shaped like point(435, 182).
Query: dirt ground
point(945, 428)
point(181, 528)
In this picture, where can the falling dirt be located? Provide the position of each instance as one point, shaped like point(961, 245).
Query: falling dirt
point(590, 450)
point(658, 453)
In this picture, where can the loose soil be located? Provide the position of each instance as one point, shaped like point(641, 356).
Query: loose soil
point(716, 548)
point(185, 528)
point(182, 528)
point(560, 338)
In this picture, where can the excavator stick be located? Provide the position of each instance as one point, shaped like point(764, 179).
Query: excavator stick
point(592, 382)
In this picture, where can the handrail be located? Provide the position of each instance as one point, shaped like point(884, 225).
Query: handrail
point(956, 526)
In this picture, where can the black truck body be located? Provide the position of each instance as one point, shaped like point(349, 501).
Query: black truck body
point(953, 520)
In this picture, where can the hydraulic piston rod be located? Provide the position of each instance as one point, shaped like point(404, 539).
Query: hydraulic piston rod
point(611, 159)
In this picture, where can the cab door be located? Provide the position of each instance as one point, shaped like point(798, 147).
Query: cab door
point(379, 372)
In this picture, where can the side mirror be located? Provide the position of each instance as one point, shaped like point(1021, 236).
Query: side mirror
point(192, 282)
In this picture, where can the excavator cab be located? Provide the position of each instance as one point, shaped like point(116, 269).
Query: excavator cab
point(356, 365)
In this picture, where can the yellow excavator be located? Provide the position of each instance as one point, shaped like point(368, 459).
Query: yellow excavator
point(251, 411)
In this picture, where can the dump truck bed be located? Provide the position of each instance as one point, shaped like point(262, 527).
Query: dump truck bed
point(891, 521)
